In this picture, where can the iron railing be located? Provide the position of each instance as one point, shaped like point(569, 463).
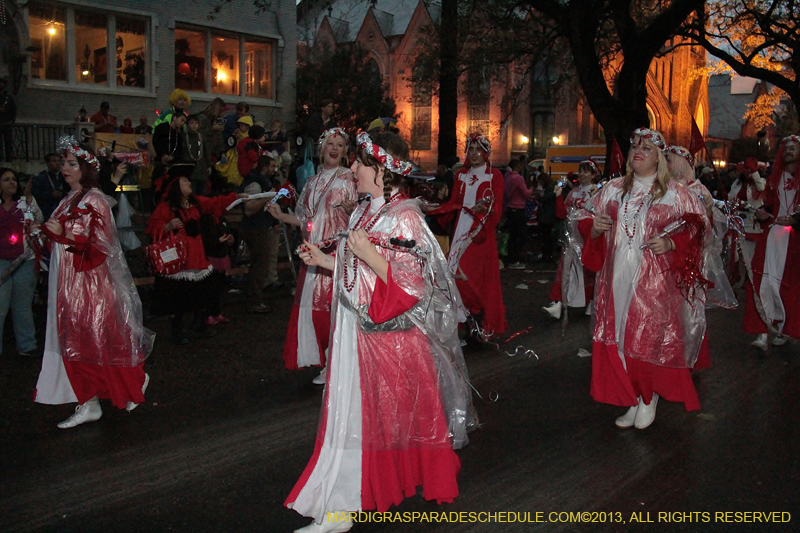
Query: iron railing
point(31, 142)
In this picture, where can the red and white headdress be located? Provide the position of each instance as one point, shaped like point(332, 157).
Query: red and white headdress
point(683, 152)
point(335, 132)
point(68, 143)
point(482, 142)
point(391, 164)
point(651, 135)
point(791, 138)
point(591, 164)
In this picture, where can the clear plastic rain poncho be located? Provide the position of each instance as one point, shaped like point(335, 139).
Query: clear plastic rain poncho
point(651, 306)
point(570, 268)
point(719, 293)
point(413, 378)
point(99, 313)
point(319, 219)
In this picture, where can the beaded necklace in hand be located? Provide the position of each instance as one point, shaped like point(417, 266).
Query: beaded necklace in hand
point(625, 217)
point(348, 283)
point(321, 193)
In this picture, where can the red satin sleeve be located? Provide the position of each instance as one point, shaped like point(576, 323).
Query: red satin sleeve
point(594, 250)
point(389, 300)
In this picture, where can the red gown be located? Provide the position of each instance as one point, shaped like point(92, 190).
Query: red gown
point(662, 329)
point(581, 282)
point(789, 280)
point(389, 420)
point(475, 262)
point(94, 311)
point(319, 219)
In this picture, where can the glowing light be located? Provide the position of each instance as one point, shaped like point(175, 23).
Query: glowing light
point(220, 76)
point(51, 30)
point(556, 139)
point(524, 140)
point(85, 72)
point(308, 226)
point(13, 239)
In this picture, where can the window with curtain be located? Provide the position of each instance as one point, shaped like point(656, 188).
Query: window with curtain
point(47, 31)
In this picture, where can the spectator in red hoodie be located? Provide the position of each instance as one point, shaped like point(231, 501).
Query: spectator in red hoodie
point(249, 148)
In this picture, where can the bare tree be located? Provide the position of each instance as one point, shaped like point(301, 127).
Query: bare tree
point(755, 38)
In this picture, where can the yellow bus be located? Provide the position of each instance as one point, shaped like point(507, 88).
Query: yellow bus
point(561, 160)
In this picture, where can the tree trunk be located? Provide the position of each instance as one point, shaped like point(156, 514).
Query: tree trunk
point(448, 81)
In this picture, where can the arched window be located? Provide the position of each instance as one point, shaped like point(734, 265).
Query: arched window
point(373, 68)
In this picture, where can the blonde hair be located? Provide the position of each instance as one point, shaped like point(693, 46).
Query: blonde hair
point(343, 159)
point(662, 175)
point(681, 169)
point(177, 94)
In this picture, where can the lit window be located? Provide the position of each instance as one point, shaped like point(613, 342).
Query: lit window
point(131, 52)
point(91, 51)
point(190, 62)
point(48, 42)
point(258, 69)
point(224, 65)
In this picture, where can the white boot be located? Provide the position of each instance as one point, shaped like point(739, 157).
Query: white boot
point(131, 406)
point(589, 308)
point(761, 342)
point(554, 310)
point(646, 413)
point(780, 340)
point(329, 526)
point(86, 412)
point(320, 380)
point(626, 420)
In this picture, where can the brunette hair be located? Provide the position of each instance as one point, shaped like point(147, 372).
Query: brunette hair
point(175, 196)
point(17, 194)
point(396, 147)
point(214, 108)
point(89, 173)
point(588, 167)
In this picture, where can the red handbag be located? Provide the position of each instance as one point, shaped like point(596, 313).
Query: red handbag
point(167, 255)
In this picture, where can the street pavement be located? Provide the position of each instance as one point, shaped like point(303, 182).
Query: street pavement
point(226, 432)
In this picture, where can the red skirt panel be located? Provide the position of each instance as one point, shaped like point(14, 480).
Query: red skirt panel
point(322, 327)
point(120, 384)
point(613, 385)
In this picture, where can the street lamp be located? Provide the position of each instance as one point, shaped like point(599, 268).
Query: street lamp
point(761, 135)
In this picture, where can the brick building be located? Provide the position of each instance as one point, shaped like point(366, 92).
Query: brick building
point(390, 31)
point(61, 56)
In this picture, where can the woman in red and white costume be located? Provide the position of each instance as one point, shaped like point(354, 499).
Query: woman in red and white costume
point(681, 166)
point(323, 209)
point(396, 401)
point(650, 317)
point(580, 280)
point(776, 263)
point(748, 192)
point(477, 204)
point(95, 343)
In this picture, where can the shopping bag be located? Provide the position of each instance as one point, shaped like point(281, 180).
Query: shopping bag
point(167, 255)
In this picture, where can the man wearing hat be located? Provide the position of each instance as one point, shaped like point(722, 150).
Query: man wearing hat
point(104, 122)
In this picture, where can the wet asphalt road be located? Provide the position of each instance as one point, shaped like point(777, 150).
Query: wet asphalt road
point(226, 432)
